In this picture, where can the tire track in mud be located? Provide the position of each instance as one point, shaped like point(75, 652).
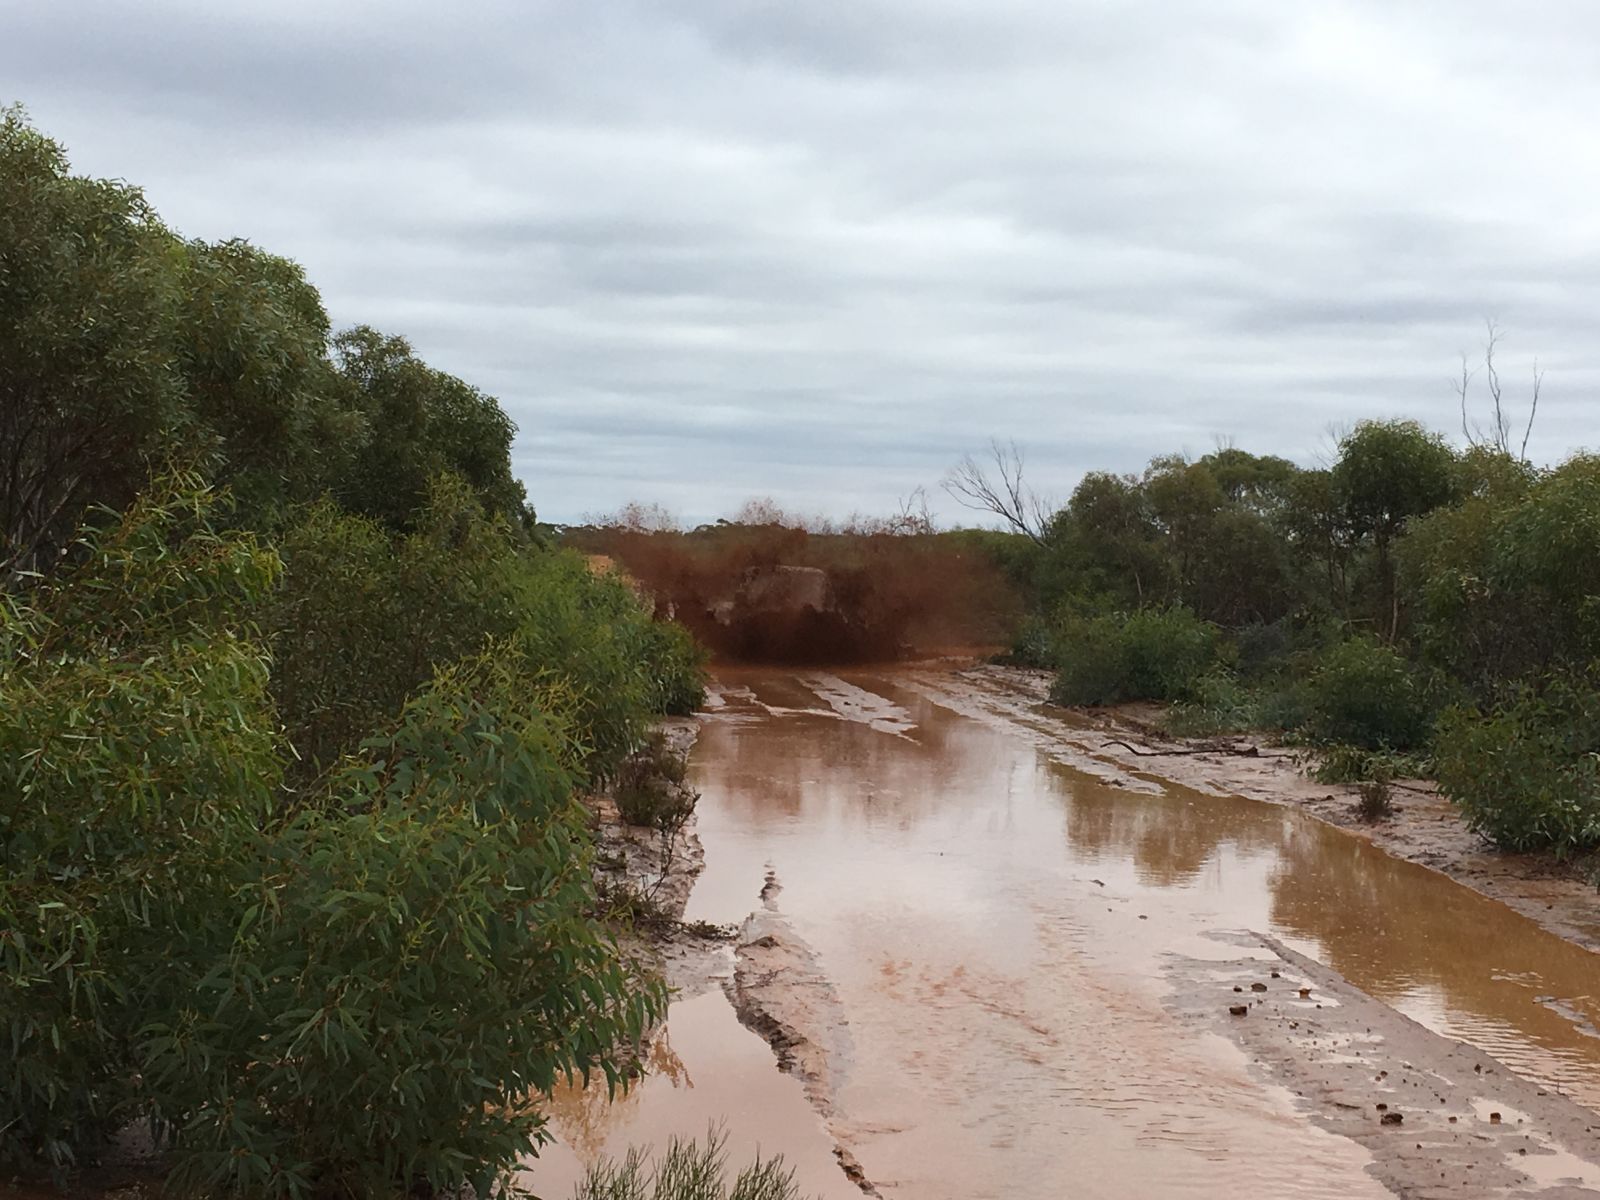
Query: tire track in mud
point(780, 991)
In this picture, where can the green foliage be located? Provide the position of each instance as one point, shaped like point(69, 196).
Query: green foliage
point(138, 755)
point(1145, 655)
point(263, 406)
point(347, 987)
point(1354, 764)
point(414, 965)
point(292, 861)
point(420, 423)
point(1364, 693)
point(1391, 471)
point(1375, 801)
point(366, 616)
point(1388, 473)
point(119, 341)
point(687, 1170)
point(88, 299)
point(649, 788)
point(1527, 772)
point(1033, 644)
point(676, 685)
point(591, 631)
point(1217, 703)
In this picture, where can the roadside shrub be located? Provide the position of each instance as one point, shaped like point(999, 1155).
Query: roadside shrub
point(1218, 703)
point(414, 965)
point(587, 630)
point(348, 992)
point(365, 616)
point(1285, 707)
point(688, 1170)
point(1363, 693)
point(676, 665)
point(1263, 650)
point(1354, 764)
point(1376, 801)
point(138, 756)
point(1527, 773)
point(649, 788)
point(1146, 655)
point(1032, 645)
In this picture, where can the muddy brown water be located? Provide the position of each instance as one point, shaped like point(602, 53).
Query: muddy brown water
point(997, 928)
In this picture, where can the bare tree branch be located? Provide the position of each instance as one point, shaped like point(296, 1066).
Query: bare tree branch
point(1499, 437)
point(1533, 410)
point(1003, 493)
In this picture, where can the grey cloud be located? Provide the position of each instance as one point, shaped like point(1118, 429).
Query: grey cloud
point(704, 249)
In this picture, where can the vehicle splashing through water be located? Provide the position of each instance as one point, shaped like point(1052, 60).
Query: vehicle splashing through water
point(769, 588)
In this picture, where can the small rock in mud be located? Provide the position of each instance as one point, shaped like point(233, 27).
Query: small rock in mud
point(1258, 987)
point(1238, 1010)
point(1391, 1118)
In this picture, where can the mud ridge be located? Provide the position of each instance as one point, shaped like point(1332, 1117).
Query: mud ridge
point(780, 991)
point(1440, 1118)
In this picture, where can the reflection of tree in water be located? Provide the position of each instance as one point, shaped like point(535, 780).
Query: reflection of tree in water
point(1170, 837)
point(1391, 926)
point(584, 1115)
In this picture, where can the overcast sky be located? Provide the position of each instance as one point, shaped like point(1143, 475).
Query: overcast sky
point(816, 249)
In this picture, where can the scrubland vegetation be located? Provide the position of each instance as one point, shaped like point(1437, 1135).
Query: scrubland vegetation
point(1410, 609)
point(297, 707)
point(298, 701)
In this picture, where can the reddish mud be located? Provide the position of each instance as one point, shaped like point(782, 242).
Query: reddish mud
point(993, 965)
point(773, 593)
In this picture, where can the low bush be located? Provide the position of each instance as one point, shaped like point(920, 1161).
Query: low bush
point(687, 1170)
point(676, 663)
point(1145, 655)
point(649, 788)
point(1218, 703)
point(1356, 764)
point(1033, 644)
point(1284, 707)
point(1527, 773)
point(1375, 800)
point(365, 616)
point(1363, 693)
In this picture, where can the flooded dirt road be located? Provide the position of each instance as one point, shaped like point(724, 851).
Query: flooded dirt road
point(1008, 950)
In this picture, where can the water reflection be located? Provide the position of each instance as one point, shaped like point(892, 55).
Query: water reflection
point(1460, 962)
point(997, 926)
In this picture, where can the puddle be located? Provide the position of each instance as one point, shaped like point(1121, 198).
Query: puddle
point(995, 921)
point(708, 1070)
